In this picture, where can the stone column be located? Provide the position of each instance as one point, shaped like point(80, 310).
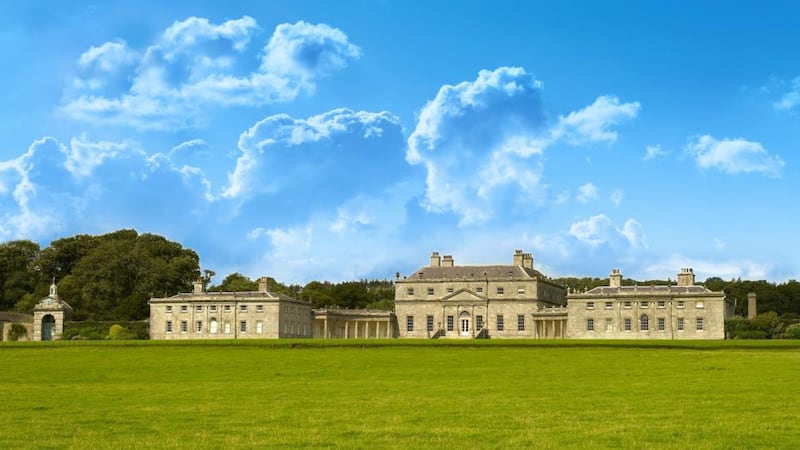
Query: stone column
point(347, 329)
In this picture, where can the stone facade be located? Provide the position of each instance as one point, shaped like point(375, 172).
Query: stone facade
point(682, 311)
point(498, 301)
point(49, 316)
point(8, 319)
point(230, 315)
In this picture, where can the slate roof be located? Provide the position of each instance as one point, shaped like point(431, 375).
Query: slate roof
point(226, 296)
point(646, 290)
point(474, 272)
point(6, 316)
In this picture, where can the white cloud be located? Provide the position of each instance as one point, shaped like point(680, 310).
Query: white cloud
point(600, 230)
point(734, 156)
point(593, 123)
point(653, 152)
point(616, 197)
point(790, 99)
point(195, 66)
point(317, 156)
point(586, 192)
point(705, 268)
point(482, 142)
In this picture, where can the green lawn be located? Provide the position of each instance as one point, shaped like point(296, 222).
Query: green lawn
point(420, 394)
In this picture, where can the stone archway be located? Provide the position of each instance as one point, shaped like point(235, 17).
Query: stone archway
point(48, 327)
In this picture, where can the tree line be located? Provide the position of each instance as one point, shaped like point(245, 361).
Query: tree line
point(113, 276)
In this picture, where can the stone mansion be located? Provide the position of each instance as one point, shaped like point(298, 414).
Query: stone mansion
point(444, 300)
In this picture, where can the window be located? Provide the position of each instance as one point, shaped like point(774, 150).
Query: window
point(609, 305)
point(169, 308)
point(479, 322)
point(242, 308)
point(184, 308)
point(227, 328)
point(227, 308)
point(449, 323)
point(661, 324)
point(500, 324)
point(645, 304)
point(213, 308)
point(520, 322)
point(479, 290)
point(169, 326)
point(698, 304)
point(590, 325)
point(449, 290)
point(501, 291)
point(589, 305)
point(680, 304)
point(243, 326)
point(213, 326)
point(409, 291)
point(644, 323)
point(680, 324)
point(609, 326)
point(198, 326)
point(626, 305)
point(409, 323)
point(520, 291)
point(662, 304)
point(259, 326)
point(430, 291)
point(198, 308)
point(259, 308)
point(628, 324)
point(184, 326)
point(699, 324)
point(429, 322)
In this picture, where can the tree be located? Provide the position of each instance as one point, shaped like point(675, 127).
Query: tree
point(236, 282)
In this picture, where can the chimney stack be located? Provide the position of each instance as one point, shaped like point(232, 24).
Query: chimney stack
point(752, 311)
point(263, 284)
point(436, 261)
point(198, 286)
point(686, 277)
point(518, 256)
point(527, 261)
point(615, 279)
point(447, 261)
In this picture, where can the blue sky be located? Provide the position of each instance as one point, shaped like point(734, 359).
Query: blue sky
point(344, 140)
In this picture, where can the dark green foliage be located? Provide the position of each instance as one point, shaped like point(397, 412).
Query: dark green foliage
point(235, 282)
point(17, 331)
point(95, 331)
point(106, 277)
point(763, 326)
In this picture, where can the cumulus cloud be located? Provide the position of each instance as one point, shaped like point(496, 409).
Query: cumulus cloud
point(482, 142)
point(586, 192)
point(196, 65)
point(53, 188)
point(734, 156)
point(790, 99)
point(317, 158)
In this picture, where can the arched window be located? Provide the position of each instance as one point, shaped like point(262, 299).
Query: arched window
point(644, 323)
point(213, 325)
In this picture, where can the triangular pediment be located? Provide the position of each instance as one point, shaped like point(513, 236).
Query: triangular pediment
point(464, 295)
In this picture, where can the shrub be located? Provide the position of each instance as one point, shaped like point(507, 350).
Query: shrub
point(117, 331)
point(792, 331)
point(17, 331)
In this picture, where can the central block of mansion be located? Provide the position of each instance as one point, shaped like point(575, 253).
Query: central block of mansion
point(498, 301)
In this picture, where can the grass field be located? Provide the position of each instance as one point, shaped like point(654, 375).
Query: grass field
point(400, 394)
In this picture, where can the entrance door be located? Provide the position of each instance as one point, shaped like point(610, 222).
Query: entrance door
point(48, 327)
point(465, 327)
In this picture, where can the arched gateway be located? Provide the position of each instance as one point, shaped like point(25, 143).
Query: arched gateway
point(49, 316)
